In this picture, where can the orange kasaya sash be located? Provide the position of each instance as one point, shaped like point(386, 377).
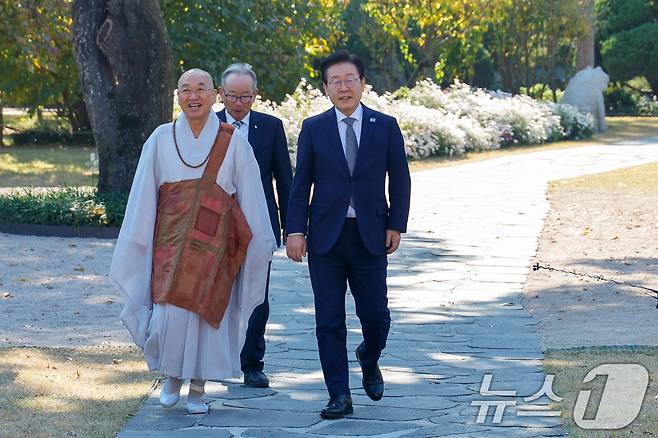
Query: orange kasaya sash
point(200, 242)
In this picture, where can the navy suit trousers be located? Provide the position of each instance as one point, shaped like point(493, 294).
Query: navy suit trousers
point(348, 262)
point(253, 351)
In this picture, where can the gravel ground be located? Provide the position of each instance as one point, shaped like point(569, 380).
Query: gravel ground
point(54, 292)
point(610, 234)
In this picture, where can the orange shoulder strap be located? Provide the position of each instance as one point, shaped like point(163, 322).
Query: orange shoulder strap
point(218, 152)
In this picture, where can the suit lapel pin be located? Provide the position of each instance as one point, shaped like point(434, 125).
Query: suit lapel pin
point(372, 119)
point(255, 126)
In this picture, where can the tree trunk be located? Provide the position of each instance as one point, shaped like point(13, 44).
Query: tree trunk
point(125, 63)
point(78, 116)
point(585, 45)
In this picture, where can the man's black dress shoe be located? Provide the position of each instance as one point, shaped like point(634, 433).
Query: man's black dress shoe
point(372, 380)
point(338, 407)
point(256, 379)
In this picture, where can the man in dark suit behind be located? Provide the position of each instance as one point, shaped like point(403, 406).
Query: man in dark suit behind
point(268, 140)
point(346, 153)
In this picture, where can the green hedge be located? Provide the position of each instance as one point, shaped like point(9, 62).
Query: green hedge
point(69, 206)
point(33, 136)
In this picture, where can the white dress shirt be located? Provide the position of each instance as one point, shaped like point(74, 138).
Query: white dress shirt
point(342, 129)
point(244, 128)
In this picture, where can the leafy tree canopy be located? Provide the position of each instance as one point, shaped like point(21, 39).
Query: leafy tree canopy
point(281, 39)
point(628, 38)
point(633, 53)
point(37, 67)
point(618, 15)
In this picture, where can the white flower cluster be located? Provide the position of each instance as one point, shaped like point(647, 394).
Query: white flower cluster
point(648, 106)
point(447, 122)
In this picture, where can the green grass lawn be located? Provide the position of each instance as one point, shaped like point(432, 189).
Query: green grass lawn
point(53, 165)
point(641, 179)
point(69, 392)
point(46, 166)
point(571, 366)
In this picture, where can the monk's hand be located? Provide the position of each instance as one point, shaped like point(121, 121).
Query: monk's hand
point(392, 241)
point(296, 247)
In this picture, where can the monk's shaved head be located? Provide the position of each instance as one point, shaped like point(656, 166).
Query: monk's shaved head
point(196, 96)
point(197, 76)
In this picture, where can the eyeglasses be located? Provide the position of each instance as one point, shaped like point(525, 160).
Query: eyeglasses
point(189, 91)
point(346, 83)
point(233, 98)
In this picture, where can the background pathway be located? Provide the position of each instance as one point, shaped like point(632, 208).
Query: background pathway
point(455, 297)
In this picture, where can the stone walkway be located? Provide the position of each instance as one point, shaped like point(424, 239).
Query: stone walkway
point(455, 293)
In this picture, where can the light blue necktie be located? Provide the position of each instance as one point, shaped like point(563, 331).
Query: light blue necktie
point(351, 148)
point(351, 145)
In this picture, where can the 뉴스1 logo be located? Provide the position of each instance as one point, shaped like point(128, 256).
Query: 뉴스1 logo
point(622, 397)
point(621, 401)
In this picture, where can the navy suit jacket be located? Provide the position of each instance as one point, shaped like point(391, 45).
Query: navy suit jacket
point(321, 162)
point(268, 140)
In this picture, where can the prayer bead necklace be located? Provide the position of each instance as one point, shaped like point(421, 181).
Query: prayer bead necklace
point(181, 157)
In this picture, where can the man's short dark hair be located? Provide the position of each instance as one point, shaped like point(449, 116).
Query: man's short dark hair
point(339, 57)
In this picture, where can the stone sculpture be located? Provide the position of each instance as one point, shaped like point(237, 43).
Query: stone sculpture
point(585, 91)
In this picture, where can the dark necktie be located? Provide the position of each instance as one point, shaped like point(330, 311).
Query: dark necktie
point(238, 123)
point(351, 145)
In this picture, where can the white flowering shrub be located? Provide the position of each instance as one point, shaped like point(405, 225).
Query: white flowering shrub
point(648, 106)
point(575, 124)
point(447, 122)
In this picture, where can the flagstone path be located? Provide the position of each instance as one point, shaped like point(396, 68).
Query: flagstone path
point(455, 298)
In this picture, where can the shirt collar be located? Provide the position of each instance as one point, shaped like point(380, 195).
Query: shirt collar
point(357, 114)
point(230, 119)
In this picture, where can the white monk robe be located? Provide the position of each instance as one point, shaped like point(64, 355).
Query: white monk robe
point(178, 342)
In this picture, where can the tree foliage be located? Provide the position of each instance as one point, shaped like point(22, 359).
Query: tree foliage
point(532, 39)
point(384, 62)
point(632, 53)
point(37, 66)
point(510, 44)
point(524, 41)
point(424, 30)
point(628, 39)
point(615, 16)
point(281, 39)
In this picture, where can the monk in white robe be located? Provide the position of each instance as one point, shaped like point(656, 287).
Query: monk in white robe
point(178, 342)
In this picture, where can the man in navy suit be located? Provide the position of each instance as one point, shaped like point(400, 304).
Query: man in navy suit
point(268, 140)
point(348, 227)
